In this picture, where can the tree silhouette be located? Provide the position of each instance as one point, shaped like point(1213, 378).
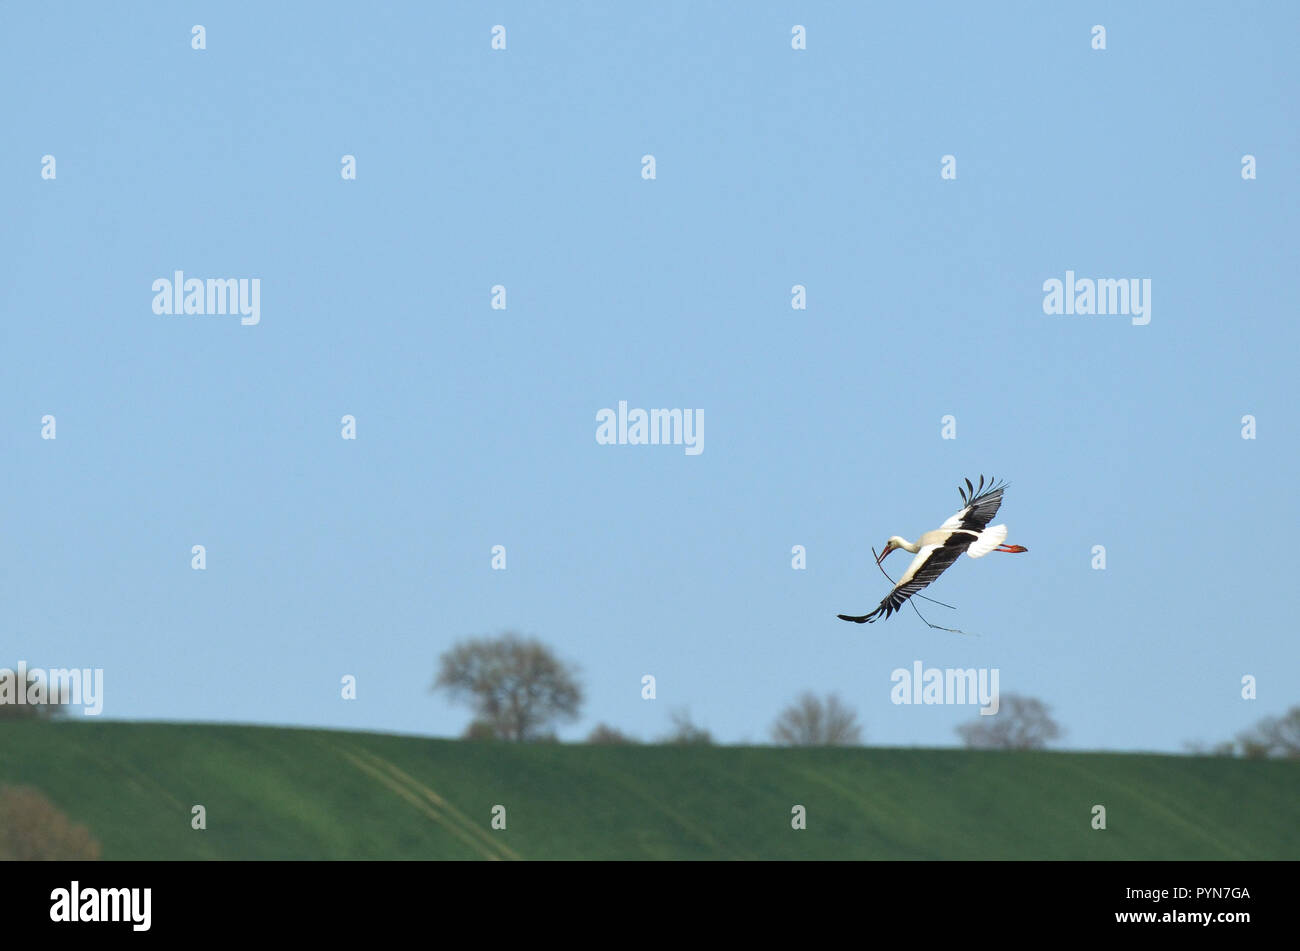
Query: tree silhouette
point(684, 732)
point(1273, 737)
point(811, 721)
point(516, 687)
point(1021, 723)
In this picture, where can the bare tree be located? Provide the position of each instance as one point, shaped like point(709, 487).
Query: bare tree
point(685, 732)
point(811, 721)
point(34, 829)
point(516, 687)
point(1021, 723)
point(1273, 737)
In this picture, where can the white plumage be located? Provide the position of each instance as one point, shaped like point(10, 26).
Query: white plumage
point(967, 531)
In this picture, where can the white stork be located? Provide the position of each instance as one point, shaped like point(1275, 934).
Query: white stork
point(935, 551)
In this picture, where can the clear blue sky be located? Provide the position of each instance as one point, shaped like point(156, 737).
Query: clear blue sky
point(476, 427)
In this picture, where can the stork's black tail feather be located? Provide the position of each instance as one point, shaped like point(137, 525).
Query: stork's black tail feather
point(863, 619)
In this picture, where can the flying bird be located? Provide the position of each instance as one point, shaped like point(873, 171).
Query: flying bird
point(967, 531)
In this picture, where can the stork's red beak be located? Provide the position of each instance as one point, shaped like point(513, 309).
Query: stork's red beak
point(883, 554)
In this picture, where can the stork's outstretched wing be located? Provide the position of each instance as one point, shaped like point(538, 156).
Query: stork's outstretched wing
point(930, 562)
point(981, 505)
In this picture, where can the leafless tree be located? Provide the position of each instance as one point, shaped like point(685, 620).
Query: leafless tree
point(811, 721)
point(1273, 737)
point(516, 687)
point(685, 732)
point(1021, 723)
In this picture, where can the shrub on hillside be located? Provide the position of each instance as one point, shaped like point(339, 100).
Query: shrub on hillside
point(606, 735)
point(34, 829)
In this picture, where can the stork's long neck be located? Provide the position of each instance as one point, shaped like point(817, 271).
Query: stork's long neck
point(904, 544)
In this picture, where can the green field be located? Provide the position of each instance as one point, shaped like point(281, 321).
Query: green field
point(275, 793)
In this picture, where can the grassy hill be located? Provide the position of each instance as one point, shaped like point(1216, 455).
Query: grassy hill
point(275, 793)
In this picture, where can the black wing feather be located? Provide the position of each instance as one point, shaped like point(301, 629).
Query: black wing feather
point(939, 561)
point(983, 504)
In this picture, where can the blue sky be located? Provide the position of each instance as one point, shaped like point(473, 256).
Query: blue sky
point(476, 427)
